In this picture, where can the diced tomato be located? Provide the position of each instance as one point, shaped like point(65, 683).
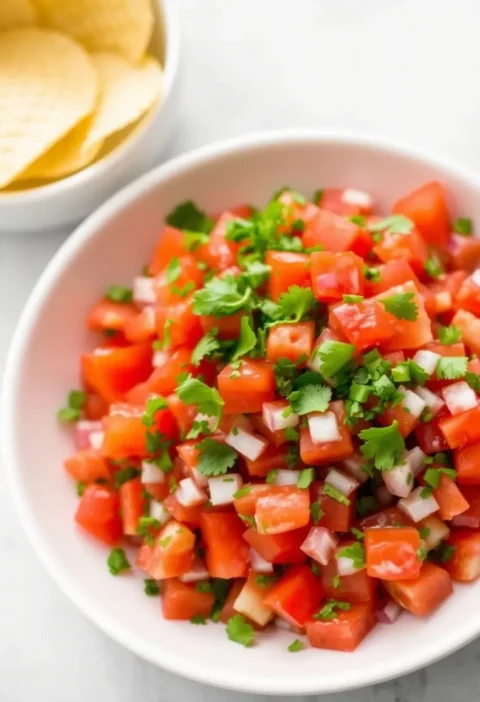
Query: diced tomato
point(108, 315)
point(292, 341)
point(470, 328)
point(408, 247)
point(246, 504)
point(277, 438)
point(333, 200)
point(126, 434)
point(176, 324)
point(227, 554)
point(364, 324)
point(335, 275)
point(406, 420)
point(467, 464)
point(86, 466)
point(171, 288)
point(251, 385)
point(165, 379)
point(172, 552)
point(429, 436)
point(190, 515)
point(132, 505)
point(345, 632)
point(98, 512)
point(227, 327)
point(423, 594)
point(184, 414)
point(408, 335)
point(335, 515)
point(278, 548)
point(461, 429)
point(464, 563)
point(111, 372)
point(471, 517)
point(95, 407)
point(287, 269)
point(296, 596)
point(171, 245)
point(395, 272)
point(468, 296)
point(356, 588)
point(392, 553)
point(141, 327)
point(331, 231)
point(427, 208)
point(294, 210)
point(450, 500)
point(219, 253)
point(184, 601)
point(464, 252)
point(390, 517)
point(322, 454)
point(284, 509)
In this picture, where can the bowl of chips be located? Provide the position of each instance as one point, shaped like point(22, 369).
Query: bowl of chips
point(86, 101)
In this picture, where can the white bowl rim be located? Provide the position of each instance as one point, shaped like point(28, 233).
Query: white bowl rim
point(98, 168)
point(467, 630)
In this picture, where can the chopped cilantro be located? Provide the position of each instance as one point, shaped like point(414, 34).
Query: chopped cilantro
point(334, 355)
point(117, 561)
point(193, 240)
point(173, 271)
point(245, 490)
point(463, 226)
point(401, 305)
point(372, 274)
point(441, 553)
point(203, 586)
point(208, 401)
point(356, 553)
point(451, 367)
point(335, 494)
point(247, 339)
point(221, 297)
point(317, 197)
point(285, 372)
point(336, 582)
point(81, 487)
point(449, 335)
point(295, 646)
point(124, 475)
point(188, 216)
point(310, 398)
point(266, 580)
point(424, 532)
point(198, 619)
point(295, 303)
point(473, 380)
point(432, 476)
point(353, 299)
point(75, 403)
point(395, 224)
point(433, 267)
point(383, 445)
point(316, 512)
point(117, 293)
point(291, 434)
point(151, 587)
point(271, 475)
point(240, 631)
point(215, 458)
point(305, 477)
point(154, 404)
point(358, 534)
point(328, 610)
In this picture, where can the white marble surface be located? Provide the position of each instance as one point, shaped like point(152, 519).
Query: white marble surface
point(403, 68)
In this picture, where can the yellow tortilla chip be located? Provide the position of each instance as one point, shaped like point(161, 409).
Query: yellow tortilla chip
point(102, 25)
point(16, 13)
point(48, 84)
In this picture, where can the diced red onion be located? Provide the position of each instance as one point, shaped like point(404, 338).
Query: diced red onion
point(345, 483)
point(384, 498)
point(359, 198)
point(188, 494)
point(354, 467)
point(417, 507)
point(320, 544)
point(427, 360)
point(223, 487)
point(412, 402)
point(159, 358)
point(250, 603)
point(388, 612)
point(435, 531)
point(416, 458)
point(246, 443)
point(158, 512)
point(399, 480)
point(259, 564)
point(459, 397)
point(323, 428)
point(143, 290)
point(286, 477)
point(196, 573)
point(432, 401)
point(151, 473)
point(273, 418)
point(84, 428)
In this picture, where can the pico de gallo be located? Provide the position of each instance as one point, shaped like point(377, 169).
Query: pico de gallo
point(280, 422)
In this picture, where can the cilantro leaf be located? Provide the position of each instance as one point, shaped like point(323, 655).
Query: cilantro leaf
point(296, 303)
point(207, 345)
point(151, 587)
point(117, 561)
point(310, 398)
point(153, 405)
point(316, 512)
point(118, 293)
point(240, 631)
point(285, 372)
point(75, 402)
point(355, 552)
point(215, 458)
point(401, 306)
point(193, 240)
point(306, 478)
point(433, 267)
point(295, 646)
point(449, 335)
point(188, 216)
point(383, 445)
point(334, 355)
point(328, 610)
point(463, 226)
point(173, 271)
point(372, 274)
point(451, 367)
point(335, 494)
point(247, 339)
point(396, 224)
point(255, 273)
point(473, 380)
point(221, 297)
point(208, 401)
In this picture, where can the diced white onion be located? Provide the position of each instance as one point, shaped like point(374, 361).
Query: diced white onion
point(323, 428)
point(412, 402)
point(188, 494)
point(211, 422)
point(84, 429)
point(286, 477)
point(459, 397)
point(273, 418)
point(259, 564)
point(247, 444)
point(196, 573)
point(388, 612)
point(427, 360)
point(384, 498)
point(416, 458)
point(250, 603)
point(151, 473)
point(345, 483)
point(158, 512)
point(159, 358)
point(417, 507)
point(354, 467)
point(350, 196)
point(345, 565)
point(432, 401)
point(435, 531)
point(143, 290)
point(399, 480)
point(96, 440)
point(476, 277)
point(320, 544)
point(223, 487)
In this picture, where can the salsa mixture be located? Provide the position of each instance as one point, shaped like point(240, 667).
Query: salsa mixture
point(281, 420)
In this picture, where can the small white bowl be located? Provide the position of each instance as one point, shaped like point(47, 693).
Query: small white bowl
point(42, 366)
point(65, 202)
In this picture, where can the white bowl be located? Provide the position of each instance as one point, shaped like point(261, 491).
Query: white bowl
point(67, 201)
point(109, 248)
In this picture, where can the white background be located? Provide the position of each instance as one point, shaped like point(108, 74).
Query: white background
point(403, 68)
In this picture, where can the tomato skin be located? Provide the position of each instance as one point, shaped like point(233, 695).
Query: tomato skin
point(336, 274)
point(429, 436)
point(172, 552)
point(470, 327)
point(296, 596)
point(132, 505)
point(278, 548)
point(464, 564)
point(287, 269)
point(321, 454)
point(228, 327)
point(392, 553)
point(227, 554)
point(247, 391)
point(292, 341)
point(423, 594)
point(111, 372)
point(285, 509)
point(464, 252)
point(171, 293)
point(461, 429)
point(98, 513)
point(427, 208)
point(365, 324)
point(183, 601)
point(331, 231)
point(171, 245)
point(86, 466)
point(357, 588)
point(345, 632)
point(178, 325)
point(467, 464)
point(114, 316)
